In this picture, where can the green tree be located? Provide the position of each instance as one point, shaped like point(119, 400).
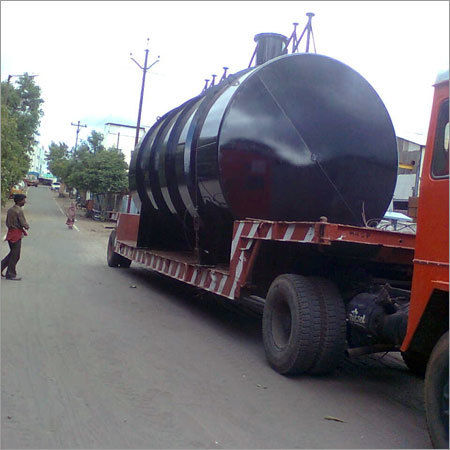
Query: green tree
point(100, 172)
point(95, 141)
point(20, 114)
point(90, 167)
point(15, 161)
point(58, 159)
point(29, 110)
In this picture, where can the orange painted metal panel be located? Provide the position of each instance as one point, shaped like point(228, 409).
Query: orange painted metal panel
point(127, 228)
point(431, 268)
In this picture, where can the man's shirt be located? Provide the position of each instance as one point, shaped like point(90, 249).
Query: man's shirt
point(15, 218)
point(16, 223)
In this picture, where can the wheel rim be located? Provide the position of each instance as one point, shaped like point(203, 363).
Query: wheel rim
point(281, 323)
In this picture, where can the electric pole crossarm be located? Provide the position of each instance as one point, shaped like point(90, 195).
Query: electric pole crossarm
point(132, 59)
point(78, 125)
point(144, 72)
point(151, 65)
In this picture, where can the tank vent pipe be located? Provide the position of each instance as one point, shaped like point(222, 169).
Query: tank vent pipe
point(269, 46)
point(224, 74)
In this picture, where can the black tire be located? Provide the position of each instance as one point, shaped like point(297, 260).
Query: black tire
point(113, 258)
point(291, 324)
point(436, 394)
point(125, 263)
point(416, 362)
point(333, 331)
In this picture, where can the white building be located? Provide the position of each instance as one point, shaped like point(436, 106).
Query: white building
point(38, 163)
point(122, 137)
point(410, 152)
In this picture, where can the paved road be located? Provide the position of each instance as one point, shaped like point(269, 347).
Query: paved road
point(89, 362)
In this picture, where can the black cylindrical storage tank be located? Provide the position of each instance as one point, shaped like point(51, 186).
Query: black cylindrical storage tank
point(296, 138)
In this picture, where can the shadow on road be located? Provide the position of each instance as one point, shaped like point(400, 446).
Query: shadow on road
point(379, 374)
point(219, 312)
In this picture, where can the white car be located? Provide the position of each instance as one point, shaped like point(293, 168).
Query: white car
point(55, 186)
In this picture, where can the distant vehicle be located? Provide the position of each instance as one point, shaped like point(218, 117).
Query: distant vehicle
point(55, 186)
point(31, 180)
point(45, 181)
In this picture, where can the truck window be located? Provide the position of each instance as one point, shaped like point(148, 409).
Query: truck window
point(439, 166)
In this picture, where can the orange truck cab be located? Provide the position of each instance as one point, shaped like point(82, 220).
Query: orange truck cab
point(425, 347)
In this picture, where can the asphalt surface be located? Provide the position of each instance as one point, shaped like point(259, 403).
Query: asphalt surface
point(96, 357)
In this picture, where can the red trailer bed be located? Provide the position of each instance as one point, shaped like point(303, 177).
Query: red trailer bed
point(393, 247)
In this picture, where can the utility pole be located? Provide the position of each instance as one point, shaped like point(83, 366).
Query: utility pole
point(78, 125)
point(144, 70)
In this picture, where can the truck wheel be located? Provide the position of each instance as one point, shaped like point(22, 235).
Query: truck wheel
point(333, 327)
point(416, 362)
point(291, 324)
point(113, 258)
point(436, 394)
point(125, 263)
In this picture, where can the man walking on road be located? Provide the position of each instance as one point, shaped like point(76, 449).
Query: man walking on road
point(16, 223)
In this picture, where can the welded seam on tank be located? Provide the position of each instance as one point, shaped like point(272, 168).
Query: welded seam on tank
point(312, 155)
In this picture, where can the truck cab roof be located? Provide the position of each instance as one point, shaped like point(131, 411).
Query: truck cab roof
point(442, 77)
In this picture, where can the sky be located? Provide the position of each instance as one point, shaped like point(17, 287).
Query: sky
point(80, 52)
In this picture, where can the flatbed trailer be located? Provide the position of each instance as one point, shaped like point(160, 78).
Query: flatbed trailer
point(233, 279)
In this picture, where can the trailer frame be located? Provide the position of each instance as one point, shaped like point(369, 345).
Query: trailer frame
point(248, 235)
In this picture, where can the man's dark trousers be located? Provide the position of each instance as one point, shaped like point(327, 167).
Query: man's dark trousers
point(10, 260)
